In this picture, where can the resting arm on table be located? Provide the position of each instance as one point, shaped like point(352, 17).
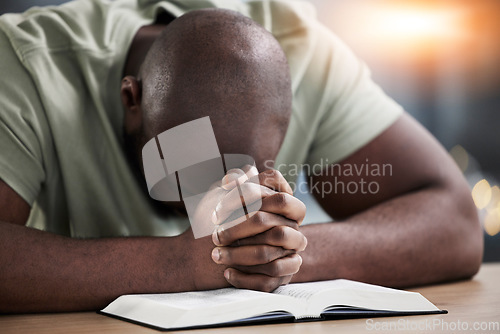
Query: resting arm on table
point(421, 227)
point(41, 271)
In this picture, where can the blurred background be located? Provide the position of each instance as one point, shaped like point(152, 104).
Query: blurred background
point(440, 59)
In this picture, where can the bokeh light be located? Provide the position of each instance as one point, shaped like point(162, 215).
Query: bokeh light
point(495, 199)
point(492, 218)
point(492, 221)
point(481, 194)
point(486, 197)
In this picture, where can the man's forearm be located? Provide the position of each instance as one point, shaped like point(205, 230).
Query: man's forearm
point(419, 238)
point(40, 271)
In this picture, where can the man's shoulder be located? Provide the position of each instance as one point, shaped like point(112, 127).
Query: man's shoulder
point(39, 23)
point(84, 24)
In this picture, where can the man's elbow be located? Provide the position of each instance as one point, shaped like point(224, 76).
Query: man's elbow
point(469, 242)
point(473, 254)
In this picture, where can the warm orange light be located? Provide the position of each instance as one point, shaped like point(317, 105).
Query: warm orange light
point(414, 23)
point(404, 29)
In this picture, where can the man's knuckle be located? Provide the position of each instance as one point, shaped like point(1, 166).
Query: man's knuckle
point(263, 254)
point(258, 218)
point(278, 233)
point(257, 253)
point(280, 252)
point(275, 268)
point(281, 200)
point(270, 178)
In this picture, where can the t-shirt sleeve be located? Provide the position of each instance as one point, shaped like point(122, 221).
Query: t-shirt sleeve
point(353, 109)
point(21, 162)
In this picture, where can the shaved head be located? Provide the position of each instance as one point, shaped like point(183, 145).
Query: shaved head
point(218, 63)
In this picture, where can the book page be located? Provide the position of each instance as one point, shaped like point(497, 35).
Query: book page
point(302, 300)
point(307, 290)
point(204, 299)
point(186, 309)
point(320, 296)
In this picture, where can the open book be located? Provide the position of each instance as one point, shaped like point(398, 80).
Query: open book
point(293, 302)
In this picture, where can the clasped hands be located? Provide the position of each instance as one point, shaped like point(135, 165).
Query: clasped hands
point(258, 251)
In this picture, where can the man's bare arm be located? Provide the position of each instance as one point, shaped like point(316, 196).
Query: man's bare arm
point(41, 271)
point(421, 227)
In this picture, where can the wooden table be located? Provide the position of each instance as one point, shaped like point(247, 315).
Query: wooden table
point(470, 303)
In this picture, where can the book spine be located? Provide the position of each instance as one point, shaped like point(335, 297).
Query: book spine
point(308, 317)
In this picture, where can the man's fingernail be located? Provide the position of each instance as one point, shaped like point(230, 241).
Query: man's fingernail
point(214, 217)
point(216, 254)
point(240, 180)
point(215, 238)
point(229, 185)
point(228, 181)
point(227, 274)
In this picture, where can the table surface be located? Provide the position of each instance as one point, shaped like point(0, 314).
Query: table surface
point(473, 306)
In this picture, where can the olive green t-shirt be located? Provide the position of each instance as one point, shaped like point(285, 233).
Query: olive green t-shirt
point(61, 115)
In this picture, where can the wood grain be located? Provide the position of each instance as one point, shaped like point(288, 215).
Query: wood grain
point(472, 301)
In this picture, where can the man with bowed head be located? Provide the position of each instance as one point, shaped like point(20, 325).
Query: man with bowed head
point(77, 227)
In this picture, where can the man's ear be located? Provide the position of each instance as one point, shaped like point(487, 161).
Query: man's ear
point(131, 94)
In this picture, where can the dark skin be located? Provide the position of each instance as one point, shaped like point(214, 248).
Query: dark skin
point(420, 228)
point(148, 115)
